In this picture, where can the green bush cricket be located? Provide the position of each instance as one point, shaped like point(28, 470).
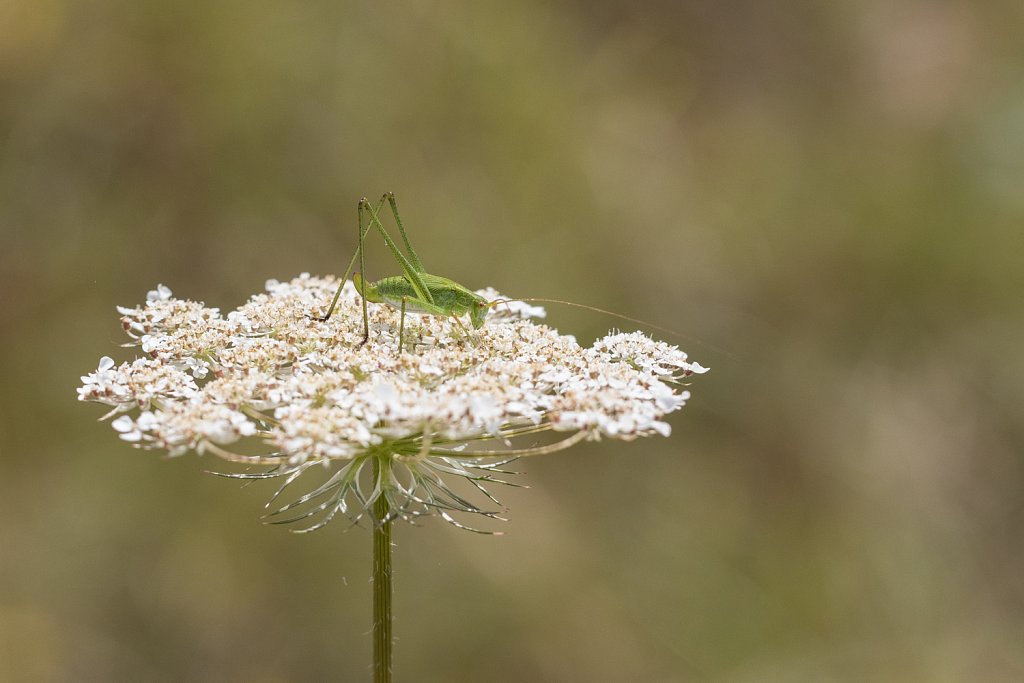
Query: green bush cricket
point(418, 291)
point(415, 290)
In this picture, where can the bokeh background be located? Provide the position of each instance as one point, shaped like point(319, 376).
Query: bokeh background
point(826, 199)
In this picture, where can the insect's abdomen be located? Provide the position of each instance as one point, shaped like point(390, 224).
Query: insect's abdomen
point(449, 297)
point(394, 288)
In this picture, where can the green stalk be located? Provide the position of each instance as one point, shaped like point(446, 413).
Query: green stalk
point(381, 575)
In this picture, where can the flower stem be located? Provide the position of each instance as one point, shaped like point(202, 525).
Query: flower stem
point(381, 576)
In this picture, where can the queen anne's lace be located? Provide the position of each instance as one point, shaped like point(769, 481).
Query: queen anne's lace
point(270, 385)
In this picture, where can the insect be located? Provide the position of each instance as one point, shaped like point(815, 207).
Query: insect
point(418, 291)
point(415, 290)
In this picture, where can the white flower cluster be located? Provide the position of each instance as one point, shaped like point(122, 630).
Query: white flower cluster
point(269, 384)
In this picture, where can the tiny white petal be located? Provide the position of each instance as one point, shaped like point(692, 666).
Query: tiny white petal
point(698, 369)
point(161, 293)
point(663, 428)
point(147, 420)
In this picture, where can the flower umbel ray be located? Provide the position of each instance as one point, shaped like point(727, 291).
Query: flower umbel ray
point(267, 386)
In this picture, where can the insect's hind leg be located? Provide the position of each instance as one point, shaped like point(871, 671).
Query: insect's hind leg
point(413, 258)
point(366, 318)
point(359, 250)
point(362, 272)
point(401, 327)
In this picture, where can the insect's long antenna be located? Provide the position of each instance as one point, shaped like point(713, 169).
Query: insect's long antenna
point(595, 309)
point(613, 314)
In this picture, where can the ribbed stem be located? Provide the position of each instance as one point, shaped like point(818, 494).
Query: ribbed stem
point(381, 577)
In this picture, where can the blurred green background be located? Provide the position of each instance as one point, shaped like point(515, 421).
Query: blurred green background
point(827, 198)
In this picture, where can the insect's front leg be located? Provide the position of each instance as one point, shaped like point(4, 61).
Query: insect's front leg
point(465, 331)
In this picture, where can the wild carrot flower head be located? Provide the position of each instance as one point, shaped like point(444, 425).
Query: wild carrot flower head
point(269, 387)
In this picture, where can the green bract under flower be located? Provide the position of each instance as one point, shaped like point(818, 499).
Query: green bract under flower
point(268, 385)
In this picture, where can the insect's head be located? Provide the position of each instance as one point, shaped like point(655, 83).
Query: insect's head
point(478, 312)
